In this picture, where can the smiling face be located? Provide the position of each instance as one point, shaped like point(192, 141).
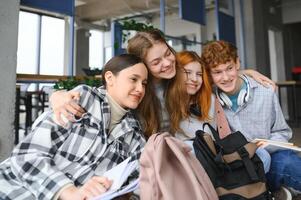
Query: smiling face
point(192, 74)
point(225, 77)
point(161, 61)
point(127, 87)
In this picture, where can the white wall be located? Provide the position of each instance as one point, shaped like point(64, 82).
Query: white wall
point(9, 12)
point(174, 26)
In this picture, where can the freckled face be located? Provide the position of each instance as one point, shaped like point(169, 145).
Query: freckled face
point(225, 77)
point(193, 76)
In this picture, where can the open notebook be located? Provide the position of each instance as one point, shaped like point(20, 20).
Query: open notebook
point(119, 175)
point(272, 146)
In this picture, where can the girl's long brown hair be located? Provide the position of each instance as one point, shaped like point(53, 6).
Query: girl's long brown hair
point(150, 109)
point(178, 101)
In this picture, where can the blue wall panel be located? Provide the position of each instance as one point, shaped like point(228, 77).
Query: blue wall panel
point(193, 10)
point(116, 32)
point(226, 28)
point(59, 6)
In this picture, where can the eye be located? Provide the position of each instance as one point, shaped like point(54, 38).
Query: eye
point(168, 53)
point(133, 79)
point(199, 74)
point(216, 72)
point(155, 62)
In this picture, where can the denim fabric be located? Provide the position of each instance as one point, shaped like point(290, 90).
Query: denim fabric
point(265, 157)
point(285, 170)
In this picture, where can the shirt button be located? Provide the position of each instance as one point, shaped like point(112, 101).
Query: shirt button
point(69, 175)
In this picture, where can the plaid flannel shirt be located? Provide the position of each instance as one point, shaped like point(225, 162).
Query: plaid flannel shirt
point(261, 116)
point(52, 156)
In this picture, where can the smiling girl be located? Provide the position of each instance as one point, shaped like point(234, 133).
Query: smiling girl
point(56, 162)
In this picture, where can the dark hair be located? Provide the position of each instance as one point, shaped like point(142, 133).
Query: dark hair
point(119, 63)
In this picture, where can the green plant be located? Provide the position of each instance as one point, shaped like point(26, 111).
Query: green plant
point(72, 82)
point(132, 25)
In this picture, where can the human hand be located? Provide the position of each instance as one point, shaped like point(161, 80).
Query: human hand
point(261, 143)
point(260, 78)
point(65, 104)
point(96, 186)
point(93, 187)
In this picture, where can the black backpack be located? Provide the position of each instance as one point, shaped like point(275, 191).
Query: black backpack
point(234, 168)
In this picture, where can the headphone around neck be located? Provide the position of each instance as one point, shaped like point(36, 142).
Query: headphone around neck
point(242, 98)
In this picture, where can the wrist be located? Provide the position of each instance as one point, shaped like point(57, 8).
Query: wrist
point(68, 192)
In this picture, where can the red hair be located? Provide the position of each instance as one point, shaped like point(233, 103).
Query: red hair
point(218, 52)
point(178, 101)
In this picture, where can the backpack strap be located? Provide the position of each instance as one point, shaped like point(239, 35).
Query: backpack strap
point(244, 154)
point(221, 120)
point(213, 131)
point(224, 130)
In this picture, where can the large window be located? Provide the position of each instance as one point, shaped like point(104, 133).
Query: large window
point(27, 56)
point(40, 44)
point(52, 46)
point(96, 49)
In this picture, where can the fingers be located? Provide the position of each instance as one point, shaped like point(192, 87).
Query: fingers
point(103, 181)
point(74, 95)
point(92, 191)
point(75, 109)
point(62, 116)
point(268, 83)
point(260, 143)
point(95, 187)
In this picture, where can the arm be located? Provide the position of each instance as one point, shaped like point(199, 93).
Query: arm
point(280, 131)
point(263, 80)
point(65, 104)
point(33, 160)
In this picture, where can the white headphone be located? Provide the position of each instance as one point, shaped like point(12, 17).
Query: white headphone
point(242, 98)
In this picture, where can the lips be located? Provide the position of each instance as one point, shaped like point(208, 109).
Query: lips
point(192, 85)
point(227, 84)
point(136, 97)
point(167, 70)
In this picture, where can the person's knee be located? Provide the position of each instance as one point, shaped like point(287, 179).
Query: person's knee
point(287, 161)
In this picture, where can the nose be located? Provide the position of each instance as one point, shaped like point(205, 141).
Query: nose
point(140, 88)
point(166, 62)
point(225, 75)
point(193, 77)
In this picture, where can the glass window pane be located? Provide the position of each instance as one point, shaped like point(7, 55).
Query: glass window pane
point(27, 43)
point(96, 49)
point(52, 46)
point(108, 54)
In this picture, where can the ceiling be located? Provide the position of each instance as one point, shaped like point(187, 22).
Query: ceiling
point(98, 10)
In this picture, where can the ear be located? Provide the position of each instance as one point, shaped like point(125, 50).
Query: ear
point(109, 77)
point(237, 63)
